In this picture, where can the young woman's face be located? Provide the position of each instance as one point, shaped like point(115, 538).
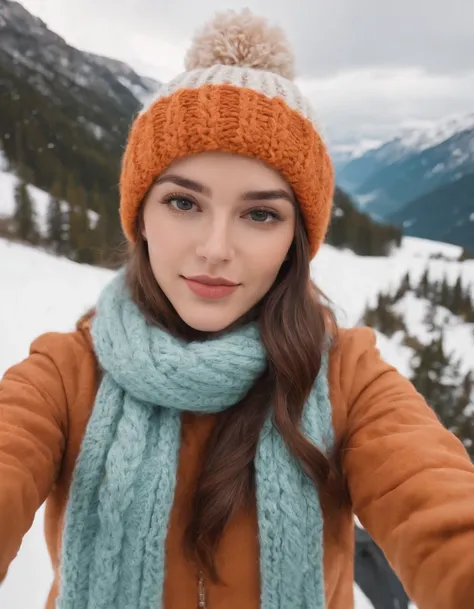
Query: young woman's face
point(218, 227)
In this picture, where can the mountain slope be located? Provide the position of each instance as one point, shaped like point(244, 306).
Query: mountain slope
point(394, 183)
point(394, 186)
point(446, 214)
point(411, 142)
point(353, 229)
point(64, 114)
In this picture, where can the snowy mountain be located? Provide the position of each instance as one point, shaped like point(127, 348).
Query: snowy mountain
point(419, 173)
point(365, 161)
point(44, 57)
point(65, 115)
point(394, 182)
point(343, 153)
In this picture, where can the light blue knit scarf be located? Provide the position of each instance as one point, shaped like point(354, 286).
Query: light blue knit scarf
point(123, 486)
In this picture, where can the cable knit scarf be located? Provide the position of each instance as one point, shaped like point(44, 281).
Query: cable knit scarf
point(123, 486)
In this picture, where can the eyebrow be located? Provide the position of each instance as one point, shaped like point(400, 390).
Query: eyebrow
point(184, 183)
point(250, 195)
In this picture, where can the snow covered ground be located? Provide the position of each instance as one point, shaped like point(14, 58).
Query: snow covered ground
point(41, 293)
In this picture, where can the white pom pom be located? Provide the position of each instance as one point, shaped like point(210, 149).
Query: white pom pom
point(241, 39)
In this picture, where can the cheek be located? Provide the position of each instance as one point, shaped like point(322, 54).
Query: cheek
point(163, 241)
point(273, 252)
point(263, 264)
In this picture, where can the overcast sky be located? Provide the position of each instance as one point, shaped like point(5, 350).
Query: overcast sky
point(368, 66)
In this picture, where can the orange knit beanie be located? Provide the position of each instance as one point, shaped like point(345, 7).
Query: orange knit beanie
point(236, 96)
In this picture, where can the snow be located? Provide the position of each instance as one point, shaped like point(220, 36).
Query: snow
point(8, 182)
point(44, 293)
point(430, 134)
point(458, 337)
point(421, 248)
point(354, 150)
point(395, 352)
point(438, 168)
point(417, 137)
point(348, 278)
point(361, 601)
point(365, 199)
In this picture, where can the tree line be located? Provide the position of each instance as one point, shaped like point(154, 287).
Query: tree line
point(70, 228)
point(436, 374)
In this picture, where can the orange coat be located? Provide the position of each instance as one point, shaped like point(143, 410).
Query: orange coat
point(410, 481)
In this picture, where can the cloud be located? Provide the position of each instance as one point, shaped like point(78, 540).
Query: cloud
point(327, 37)
point(367, 65)
point(377, 103)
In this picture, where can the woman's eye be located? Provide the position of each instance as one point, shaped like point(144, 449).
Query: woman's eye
point(180, 203)
point(262, 215)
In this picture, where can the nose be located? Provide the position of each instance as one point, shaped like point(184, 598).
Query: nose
point(215, 242)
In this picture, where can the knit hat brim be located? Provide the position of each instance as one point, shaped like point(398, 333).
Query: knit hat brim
point(232, 119)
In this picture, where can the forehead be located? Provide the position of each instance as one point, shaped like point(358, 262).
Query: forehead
point(229, 171)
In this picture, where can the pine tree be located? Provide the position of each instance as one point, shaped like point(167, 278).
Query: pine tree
point(467, 394)
point(457, 298)
point(57, 220)
point(439, 379)
point(370, 318)
point(423, 287)
point(465, 255)
point(430, 318)
point(100, 236)
point(24, 217)
point(382, 317)
point(404, 287)
point(444, 293)
point(81, 236)
point(469, 315)
point(435, 291)
point(467, 308)
point(428, 372)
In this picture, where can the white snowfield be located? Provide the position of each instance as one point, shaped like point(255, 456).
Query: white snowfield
point(42, 293)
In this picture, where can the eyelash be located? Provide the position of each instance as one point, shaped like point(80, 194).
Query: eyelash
point(176, 196)
point(168, 199)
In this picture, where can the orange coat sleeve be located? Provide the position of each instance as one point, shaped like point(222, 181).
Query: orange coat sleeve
point(33, 431)
point(411, 481)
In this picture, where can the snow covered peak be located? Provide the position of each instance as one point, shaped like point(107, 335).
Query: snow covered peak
point(430, 134)
point(42, 56)
point(414, 138)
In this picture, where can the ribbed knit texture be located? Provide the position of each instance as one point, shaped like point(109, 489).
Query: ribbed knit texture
point(122, 492)
point(237, 120)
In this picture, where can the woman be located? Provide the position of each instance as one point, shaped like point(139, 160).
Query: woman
point(205, 436)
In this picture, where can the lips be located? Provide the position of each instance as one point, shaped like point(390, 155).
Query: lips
point(210, 288)
point(208, 280)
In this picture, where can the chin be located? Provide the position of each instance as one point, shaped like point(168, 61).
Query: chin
point(207, 321)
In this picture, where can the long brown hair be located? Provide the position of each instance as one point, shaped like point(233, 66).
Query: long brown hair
point(294, 322)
